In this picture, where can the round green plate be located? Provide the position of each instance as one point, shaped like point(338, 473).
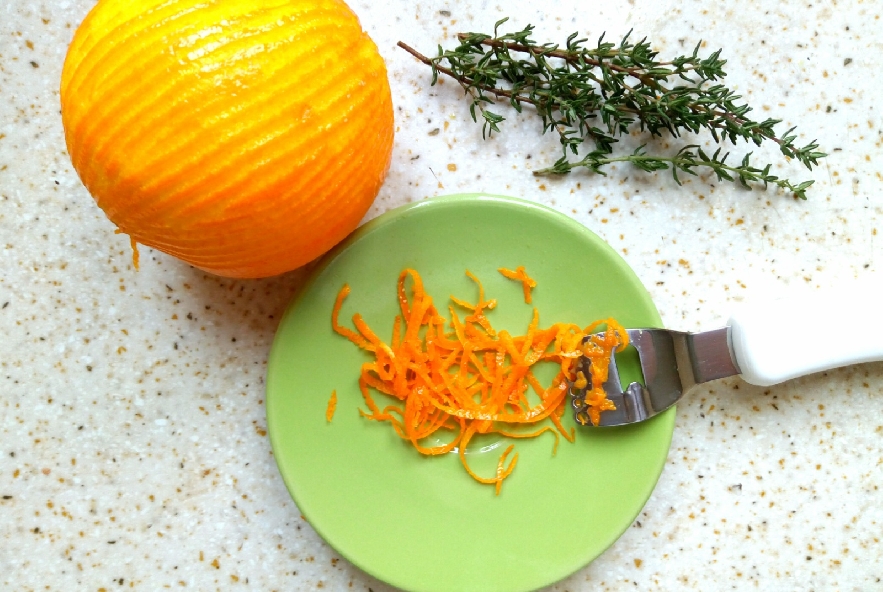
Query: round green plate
point(421, 523)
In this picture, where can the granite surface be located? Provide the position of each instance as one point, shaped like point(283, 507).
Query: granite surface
point(133, 443)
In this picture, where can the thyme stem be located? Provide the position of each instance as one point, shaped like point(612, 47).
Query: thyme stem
point(570, 56)
point(497, 92)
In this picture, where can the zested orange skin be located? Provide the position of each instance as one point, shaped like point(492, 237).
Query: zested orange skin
point(246, 137)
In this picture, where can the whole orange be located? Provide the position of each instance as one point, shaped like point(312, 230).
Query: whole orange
point(246, 137)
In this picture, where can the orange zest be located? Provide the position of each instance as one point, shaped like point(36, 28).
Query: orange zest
point(597, 348)
point(332, 406)
point(519, 275)
point(449, 381)
point(136, 257)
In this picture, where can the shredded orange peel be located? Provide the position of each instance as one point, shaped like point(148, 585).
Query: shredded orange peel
point(519, 275)
point(472, 379)
point(136, 257)
point(332, 406)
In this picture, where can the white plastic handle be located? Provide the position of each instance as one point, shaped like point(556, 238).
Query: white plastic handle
point(778, 340)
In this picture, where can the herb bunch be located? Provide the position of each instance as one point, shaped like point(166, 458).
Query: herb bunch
point(598, 93)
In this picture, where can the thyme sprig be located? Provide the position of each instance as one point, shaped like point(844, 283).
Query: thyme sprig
point(600, 93)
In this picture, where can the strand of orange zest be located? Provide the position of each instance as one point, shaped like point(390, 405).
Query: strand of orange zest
point(453, 380)
point(501, 472)
point(335, 324)
point(519, 275)
point(136, 257)
point(332, 405)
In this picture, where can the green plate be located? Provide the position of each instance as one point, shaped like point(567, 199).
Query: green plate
point(421, 523)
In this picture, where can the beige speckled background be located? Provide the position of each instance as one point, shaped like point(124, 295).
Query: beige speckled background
point(133, 448)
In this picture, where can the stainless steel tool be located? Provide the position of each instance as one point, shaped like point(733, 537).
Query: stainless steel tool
point(766, 342)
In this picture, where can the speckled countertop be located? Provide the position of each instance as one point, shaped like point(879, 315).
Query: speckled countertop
point(133, 446)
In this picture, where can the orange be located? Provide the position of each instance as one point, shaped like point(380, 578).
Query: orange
point(245, 137)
